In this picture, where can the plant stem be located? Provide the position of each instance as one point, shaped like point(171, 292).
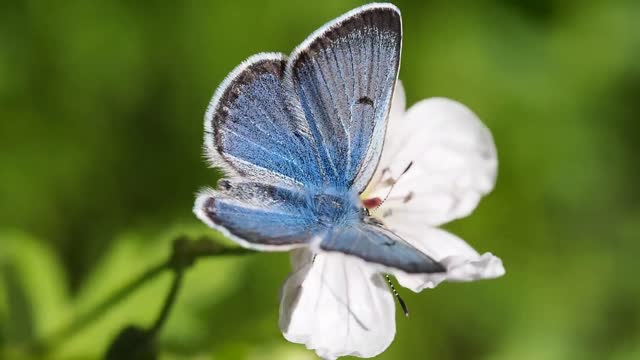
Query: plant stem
point(168, 303)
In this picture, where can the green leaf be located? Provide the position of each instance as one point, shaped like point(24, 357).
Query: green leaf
point(32, 279)
point(20, 323)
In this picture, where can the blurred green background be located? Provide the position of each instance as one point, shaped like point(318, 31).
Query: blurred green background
point(101, 106)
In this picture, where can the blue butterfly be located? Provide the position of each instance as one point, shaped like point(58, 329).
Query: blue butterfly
point(299, 139)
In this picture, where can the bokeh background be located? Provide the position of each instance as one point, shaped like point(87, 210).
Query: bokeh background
point(101, 106)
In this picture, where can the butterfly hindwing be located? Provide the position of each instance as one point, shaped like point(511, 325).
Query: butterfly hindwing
point(343, 77)
point(376, 244)
point(257, 215)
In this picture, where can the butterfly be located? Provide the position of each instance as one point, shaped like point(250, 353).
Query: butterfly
point(299, 138)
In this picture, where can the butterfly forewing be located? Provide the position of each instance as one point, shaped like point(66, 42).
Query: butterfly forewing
point(251, 132)
point(343, 77)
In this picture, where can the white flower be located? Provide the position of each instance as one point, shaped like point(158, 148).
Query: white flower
point(339, 305)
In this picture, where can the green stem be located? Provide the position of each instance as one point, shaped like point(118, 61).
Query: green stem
point(168, 303)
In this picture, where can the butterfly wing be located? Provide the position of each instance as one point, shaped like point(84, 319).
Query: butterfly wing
point(343, 77)
point(251, 134)
point(249, 130)
point(374, 243)
point(256, 215)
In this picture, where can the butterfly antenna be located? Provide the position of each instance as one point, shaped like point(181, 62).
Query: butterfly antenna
point(393, 184)
point(405, 309)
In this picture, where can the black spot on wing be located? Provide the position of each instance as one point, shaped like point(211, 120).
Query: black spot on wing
point(366, 101)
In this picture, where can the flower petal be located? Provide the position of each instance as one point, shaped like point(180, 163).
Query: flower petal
point(396, 129)
point(451, 161)
point(337, 305)
point(398, 104)
point(463, 263)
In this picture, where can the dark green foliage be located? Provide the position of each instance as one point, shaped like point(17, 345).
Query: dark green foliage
point(132, 343)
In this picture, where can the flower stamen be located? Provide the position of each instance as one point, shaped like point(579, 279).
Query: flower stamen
point(392, 182)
